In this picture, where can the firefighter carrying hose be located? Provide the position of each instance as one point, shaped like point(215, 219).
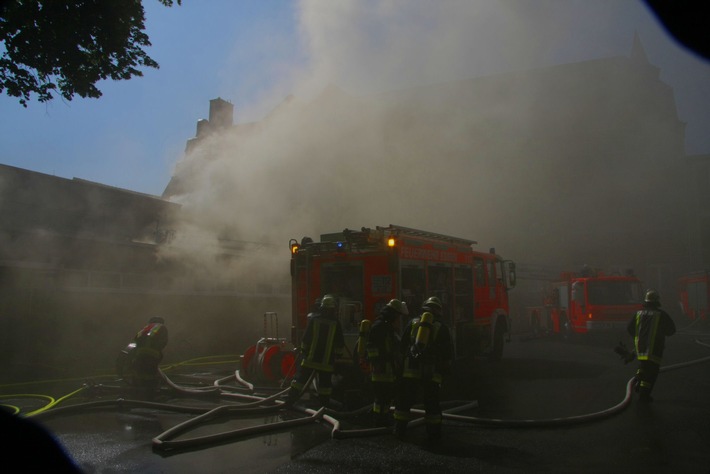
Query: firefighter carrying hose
point(383, 353)
point(430, 355)
point(137, 364)
point(322, 343)
point(649, 328)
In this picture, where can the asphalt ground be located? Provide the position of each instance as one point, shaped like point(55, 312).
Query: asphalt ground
point(550, 406)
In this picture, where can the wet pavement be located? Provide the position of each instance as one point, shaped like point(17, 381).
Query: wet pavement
point(109, 430)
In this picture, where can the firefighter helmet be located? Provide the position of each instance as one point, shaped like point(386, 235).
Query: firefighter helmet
point(398, 307)
point(433, 303)
point(328, 302)
point(652, 296)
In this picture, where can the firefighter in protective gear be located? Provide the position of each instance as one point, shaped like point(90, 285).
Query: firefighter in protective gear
point(360, 358)
point(383, 353)
point(138, 363)
point(322, 343)
point(649, 328)
point(430, 355)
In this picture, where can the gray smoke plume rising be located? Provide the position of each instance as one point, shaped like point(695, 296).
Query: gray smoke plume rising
point(389, 125)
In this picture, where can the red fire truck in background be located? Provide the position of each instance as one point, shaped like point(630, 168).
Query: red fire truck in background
point(694, 295)
point(590, 302)
point(366, 268)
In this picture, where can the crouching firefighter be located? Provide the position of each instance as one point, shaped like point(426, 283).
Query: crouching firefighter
point(138, 363)
point(429, 358)
point(384, 355)
point(322, 343)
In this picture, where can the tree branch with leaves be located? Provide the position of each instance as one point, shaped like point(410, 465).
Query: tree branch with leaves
point(66, 46)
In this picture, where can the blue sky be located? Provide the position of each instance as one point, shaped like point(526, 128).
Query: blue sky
point(134, 133)
point(254, 53)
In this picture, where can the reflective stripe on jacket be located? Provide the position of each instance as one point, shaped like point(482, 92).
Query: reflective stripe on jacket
point(322, 342)
point(650, 328)
point(383, 351)
point(153, 336)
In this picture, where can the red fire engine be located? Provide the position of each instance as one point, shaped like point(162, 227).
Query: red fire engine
point(694, 295)
point(366, 268)
point(587, 303)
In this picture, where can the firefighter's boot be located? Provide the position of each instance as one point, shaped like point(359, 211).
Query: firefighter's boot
point(388, 420)
point(291, 397)
point(382, 419)
point(400, 428)
point(433, 431)
point(645, 393)
point(645, 397)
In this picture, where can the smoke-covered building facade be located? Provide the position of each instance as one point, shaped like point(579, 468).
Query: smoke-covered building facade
point(81, 270)
point(558, 167)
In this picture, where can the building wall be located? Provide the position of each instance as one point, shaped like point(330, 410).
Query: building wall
point(573, 164)
point(698, 169)
point(81, 272)
point(592, 152)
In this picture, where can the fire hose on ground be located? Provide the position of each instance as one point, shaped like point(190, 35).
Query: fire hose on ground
point(450, 414)
point(254, 404)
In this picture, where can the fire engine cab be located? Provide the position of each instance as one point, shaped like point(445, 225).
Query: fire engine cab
point(366, 268)
point(590, 302)
point(694, 295)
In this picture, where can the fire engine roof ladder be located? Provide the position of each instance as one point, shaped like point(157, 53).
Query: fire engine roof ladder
point(424, 234)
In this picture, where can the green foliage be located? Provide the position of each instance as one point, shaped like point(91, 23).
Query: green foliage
point(66, 46)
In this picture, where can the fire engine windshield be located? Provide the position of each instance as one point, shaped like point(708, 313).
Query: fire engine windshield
point(614, 292)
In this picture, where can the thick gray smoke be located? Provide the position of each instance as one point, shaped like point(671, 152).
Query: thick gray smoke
point(441, 115)
point(389, 125)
